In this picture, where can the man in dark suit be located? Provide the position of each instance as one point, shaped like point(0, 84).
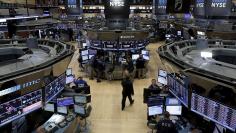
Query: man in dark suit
point(128, 91)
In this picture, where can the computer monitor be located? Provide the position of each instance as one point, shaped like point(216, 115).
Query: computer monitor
point(62, 110)
point(145, 52)
point(179, 33)
point(155, 110)
point(162, 73)
point(85, 57)
point(146, 57)
point(135, 56)
point(80, 109)
point(162, 80)
point(90, 56)
point(68, 71)
point(70, 79)
point(172, 101)
point(155, 101)
point(84, 52)
point(82, 99)
point(174, 110)
point(85, 45)
point(92, 52)
point(65, 101)
point(49, 107)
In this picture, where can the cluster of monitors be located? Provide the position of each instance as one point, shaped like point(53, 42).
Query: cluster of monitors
point(62, 105)
point(144, 53)
point(203, 106)
point(214, 111)
point(88, 54)
point(121, 45)
point(157, 105)
point(162, 77)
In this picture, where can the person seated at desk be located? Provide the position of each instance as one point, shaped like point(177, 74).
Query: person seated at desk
point(154, 85)
point(80, 83)
point(166, 125)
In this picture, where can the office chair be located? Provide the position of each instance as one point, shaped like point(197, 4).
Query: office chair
point(152, 126)
point(84, 117)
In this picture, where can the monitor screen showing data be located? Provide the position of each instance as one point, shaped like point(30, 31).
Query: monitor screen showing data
point(65, 101)
point(172, 101)
point(62, 110)
point(19, 107)
point(80, 99)
point(174, 110)
point(49, 107)
point(79, 109)
point(55, 87)
point(155, 110)
point(162, 73)
point(178, 89)
point(214, 111)
point(162, 80)
point(69, 72)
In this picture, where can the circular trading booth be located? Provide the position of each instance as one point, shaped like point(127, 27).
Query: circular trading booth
point(198, 71)
point(115, 46)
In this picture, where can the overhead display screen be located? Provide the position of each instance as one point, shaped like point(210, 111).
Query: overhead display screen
point(178, 6)
point(55, 87)
point(199, 8)
point(73, 7)
point(218, 7)
point(117, 9)
point(161, 7)
point(178, 89)
point(19, 107)
point(214, 111)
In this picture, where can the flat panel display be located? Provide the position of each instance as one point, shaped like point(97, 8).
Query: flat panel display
point(162, 73)
point(162, 80)
point(174, 110)
point(49, 107)
point(178, 89)
point(19, 107)
point(65, 101)
point(172, 101)
point(79, 109)
point(55, 87)
point(62, 110)
point(155, 110)
point(214, 111)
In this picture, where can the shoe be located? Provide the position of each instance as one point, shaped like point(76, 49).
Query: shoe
point(99, 81)
point(123, 109)
point(91, 78)
point(132, 102)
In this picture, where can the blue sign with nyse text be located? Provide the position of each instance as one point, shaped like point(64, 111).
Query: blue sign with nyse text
point(218, 7)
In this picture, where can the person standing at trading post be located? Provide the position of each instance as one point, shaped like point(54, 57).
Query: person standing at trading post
point(127, 91)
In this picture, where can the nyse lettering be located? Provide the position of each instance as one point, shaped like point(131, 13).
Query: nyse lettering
point(219, 3)
point(117, 3)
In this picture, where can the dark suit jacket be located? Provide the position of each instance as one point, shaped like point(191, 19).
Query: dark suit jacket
point(127, 87)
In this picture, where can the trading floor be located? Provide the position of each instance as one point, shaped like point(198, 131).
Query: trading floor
point(107, 116)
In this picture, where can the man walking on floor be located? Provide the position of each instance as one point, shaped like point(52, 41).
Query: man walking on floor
point(128, 91)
